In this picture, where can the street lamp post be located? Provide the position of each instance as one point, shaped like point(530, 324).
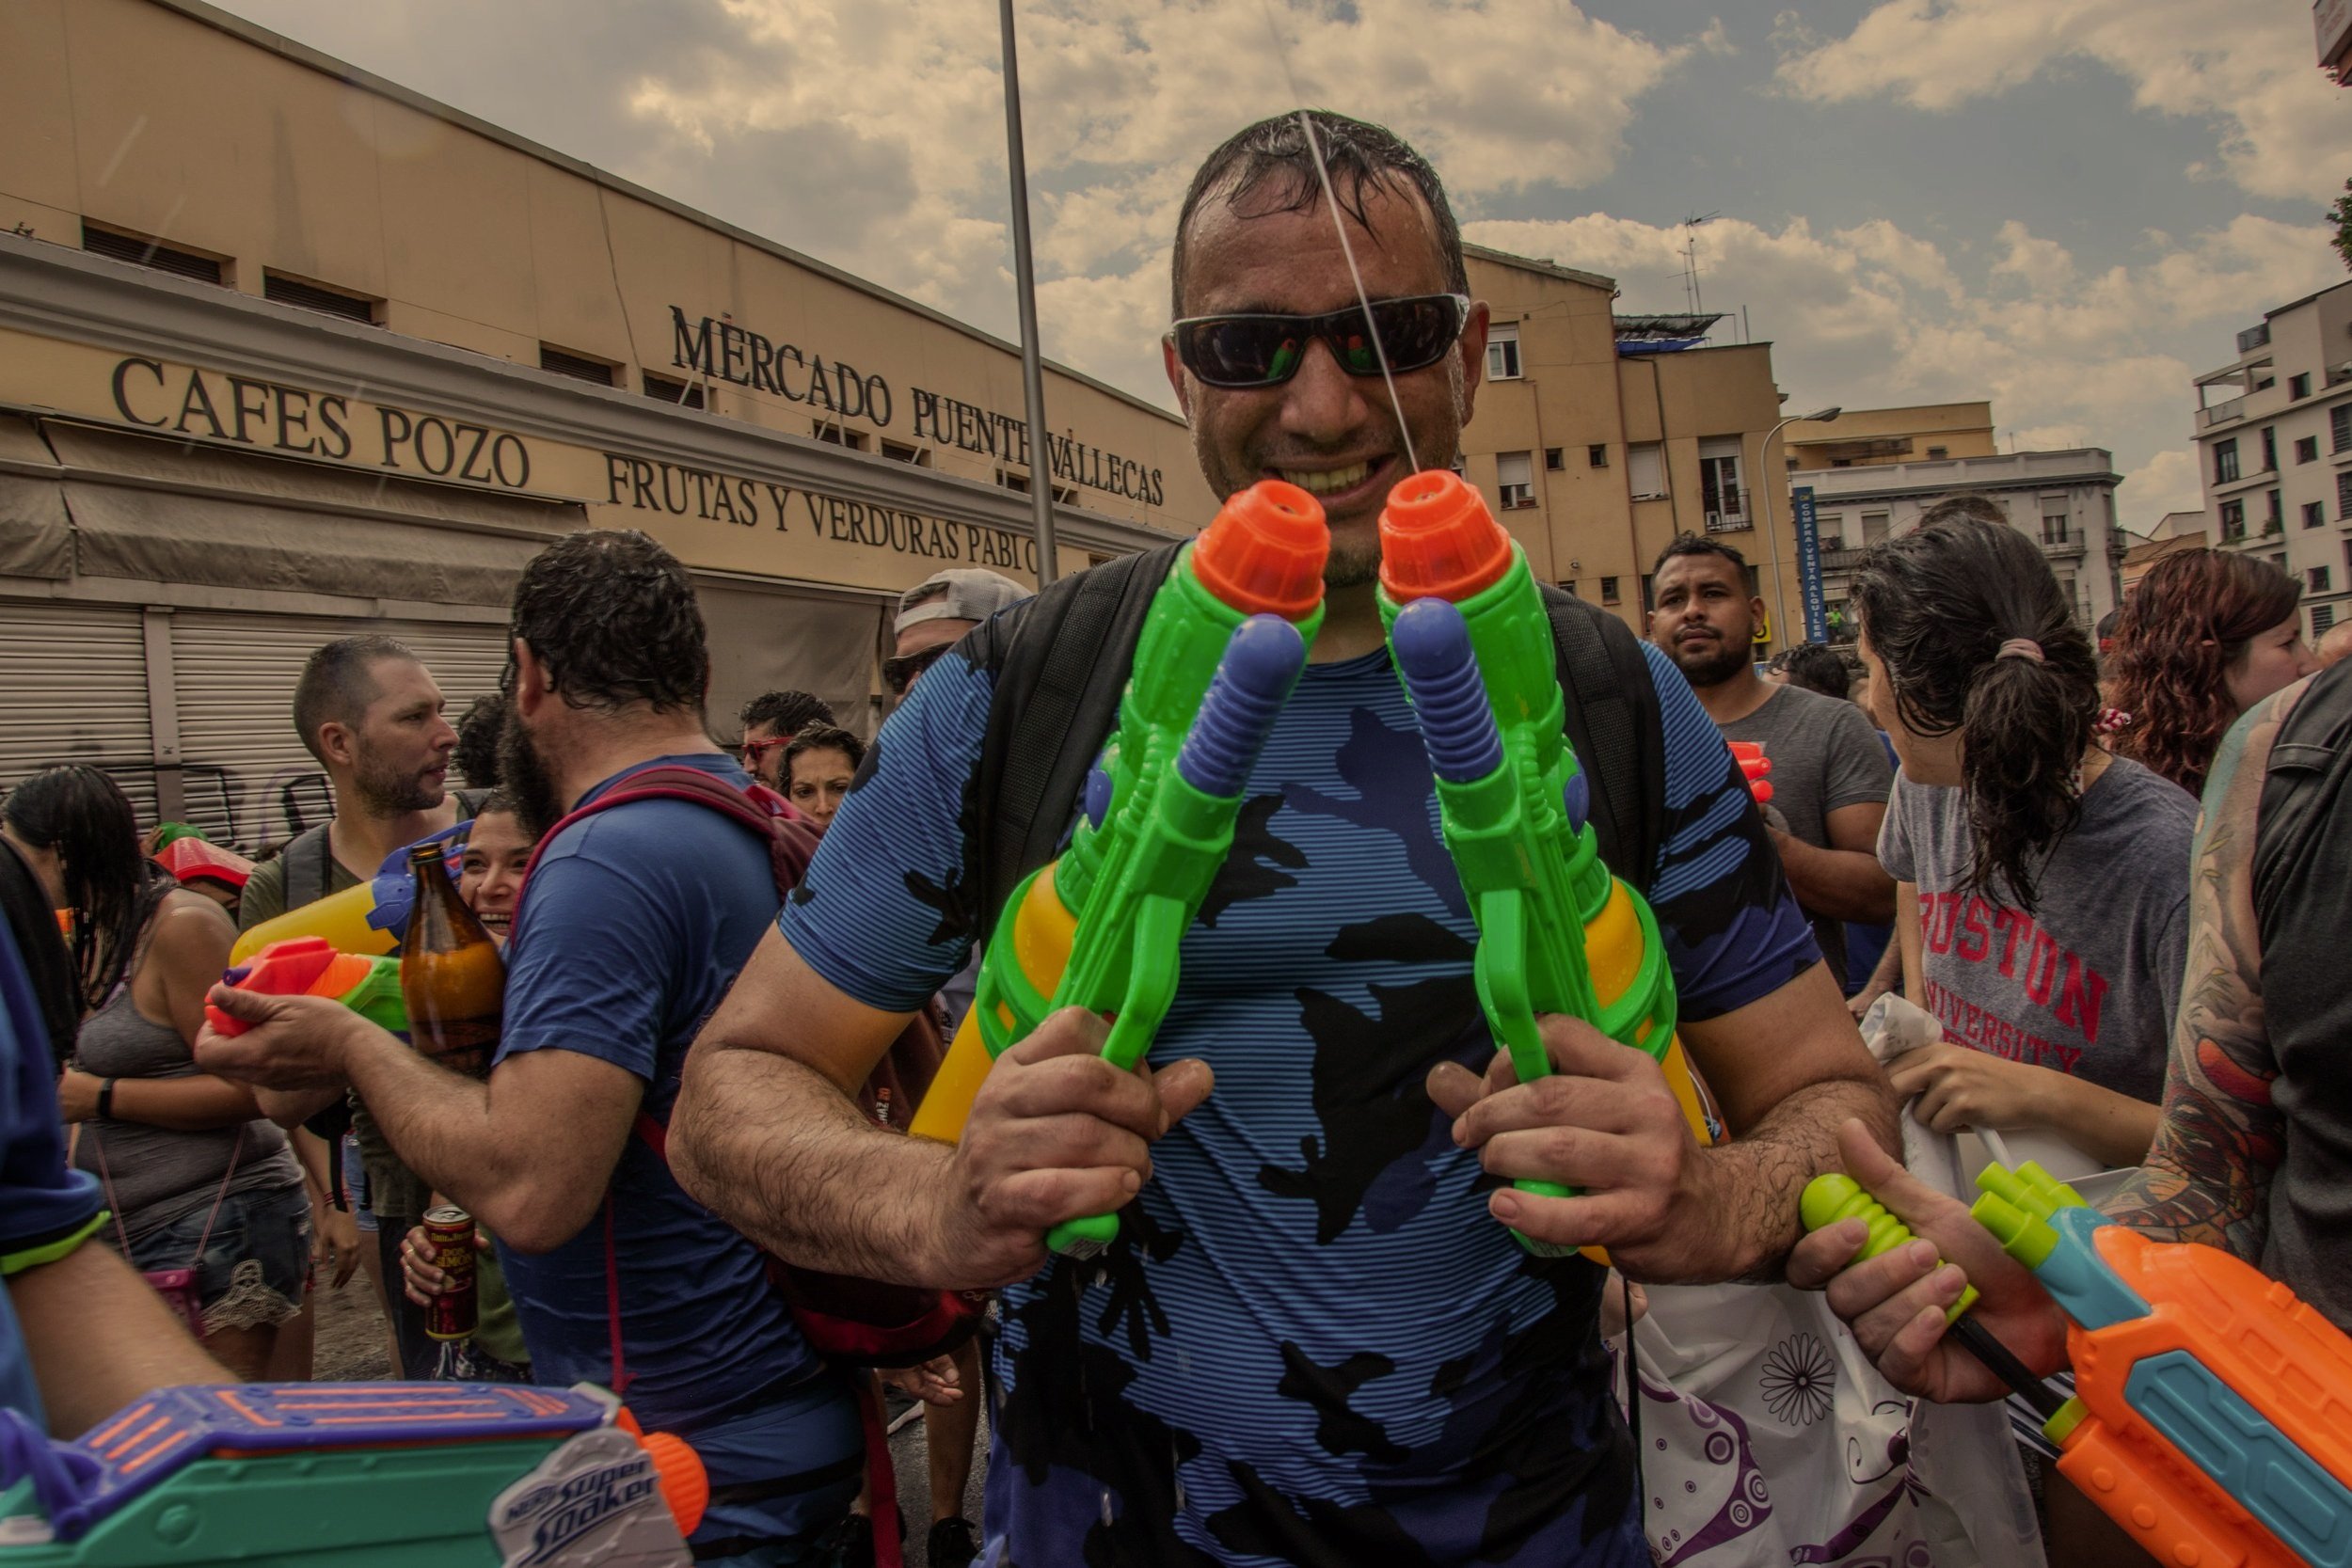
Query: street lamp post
point(1764, 496)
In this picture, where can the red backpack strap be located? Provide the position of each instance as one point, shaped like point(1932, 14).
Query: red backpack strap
point(791, 838)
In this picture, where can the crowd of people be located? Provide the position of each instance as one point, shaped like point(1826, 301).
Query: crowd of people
point(1313, 1343)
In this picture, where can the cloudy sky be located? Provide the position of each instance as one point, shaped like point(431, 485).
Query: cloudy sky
point(2067, 206)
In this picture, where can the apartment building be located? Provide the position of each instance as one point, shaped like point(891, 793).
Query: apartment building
point(2274, 445)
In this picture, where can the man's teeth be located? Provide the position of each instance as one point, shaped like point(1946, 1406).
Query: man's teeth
point(1329, 480)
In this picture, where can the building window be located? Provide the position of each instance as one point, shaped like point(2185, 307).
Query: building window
point(1725, 503)
point(2233, 520)
point(2298, 386)
point(2344, 495)
point(686, 394)
point(2225, 461)
point(2274, 515)
point(1019, 484)
point(1874, 526)
point(316, 297)
point(2307, 449)
point(830, 432)
point(1646, 472)
point(1556, 459)
point(2314, 514)
point(898, 451)
point(578, 365)
point(2270, 448)
point(145, 251)
point(2054, 528)
point(1597, 457)
point(2340, 427)
point(2315, 580)
point(1934, 453)
point(1515, 476)
point(1502, 352)
point(1609, 590)
point(1568, 588)
point(2323, 617)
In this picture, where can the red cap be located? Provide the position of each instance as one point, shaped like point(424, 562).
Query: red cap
point(1438, 540)
point(1264, 552)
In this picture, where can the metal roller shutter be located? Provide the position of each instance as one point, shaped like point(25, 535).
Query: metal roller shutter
point(249, 780)
point(74, 689)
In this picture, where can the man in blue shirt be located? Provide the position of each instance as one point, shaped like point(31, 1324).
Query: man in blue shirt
point(81, 1335)
point(633, 924)
point(1313, 1343)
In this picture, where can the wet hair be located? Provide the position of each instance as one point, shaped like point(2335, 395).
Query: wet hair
point(80, 813)
point(613, 618)
point(477, 727)
point(1813, 666)
point(1936, 606)
point(785, 712)
point(338, 682)
point(497, 804)
point(1273, 159)
point(2187, 623)
point(1966, 503)
point(821, 738)
point(1696, 544)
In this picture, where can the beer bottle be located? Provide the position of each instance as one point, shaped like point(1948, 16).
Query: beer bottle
point(452, 979)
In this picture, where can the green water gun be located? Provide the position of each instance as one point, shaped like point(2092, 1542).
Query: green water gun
point(1557, 932)
point(1223, 644)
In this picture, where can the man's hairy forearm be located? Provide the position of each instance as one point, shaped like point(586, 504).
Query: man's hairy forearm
point(806, 1174)
point(1759, 1176)
point(437, 1121)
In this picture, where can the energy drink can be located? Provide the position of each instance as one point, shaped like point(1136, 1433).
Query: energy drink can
point(449, 1232)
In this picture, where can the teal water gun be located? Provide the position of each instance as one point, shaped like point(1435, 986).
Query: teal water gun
point(2212, 1413)
point(352, 1475)
point(1222, 645)
point(1557, 933)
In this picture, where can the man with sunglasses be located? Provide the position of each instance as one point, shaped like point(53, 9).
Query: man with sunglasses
point(936, 612)
point(770, 721)
point(1313, 1341)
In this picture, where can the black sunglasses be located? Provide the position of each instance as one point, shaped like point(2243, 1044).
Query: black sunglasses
point(1267, 350)
point(899, 671)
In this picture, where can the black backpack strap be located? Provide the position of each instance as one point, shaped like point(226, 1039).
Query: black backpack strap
point(2309, 777)
point(1059, 662)
point(306, 859)
point(1617, 730)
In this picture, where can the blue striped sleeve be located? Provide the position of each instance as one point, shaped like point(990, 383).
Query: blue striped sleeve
point(1733, 930)
point(889, 907)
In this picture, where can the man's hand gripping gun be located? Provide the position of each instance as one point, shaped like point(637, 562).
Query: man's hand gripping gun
point(1557, 933)
point(2212, 1416)
point(309, 966)
point(357, 1475)
point(1222, 645)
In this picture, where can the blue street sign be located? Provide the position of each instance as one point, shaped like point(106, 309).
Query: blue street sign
point(1809, 564)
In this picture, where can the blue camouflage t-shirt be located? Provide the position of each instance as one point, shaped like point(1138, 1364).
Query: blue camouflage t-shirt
point(1311, 1344)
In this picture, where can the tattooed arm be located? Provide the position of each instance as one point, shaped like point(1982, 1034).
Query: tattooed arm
point(2207, 1176)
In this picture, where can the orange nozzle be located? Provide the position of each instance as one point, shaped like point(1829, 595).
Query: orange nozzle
point(1263, 553)
point(685, 1485)
point(1437, 540)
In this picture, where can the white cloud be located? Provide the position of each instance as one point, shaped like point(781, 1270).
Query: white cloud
point(2246, 68)
point(2167, 482)
point(1877, 315)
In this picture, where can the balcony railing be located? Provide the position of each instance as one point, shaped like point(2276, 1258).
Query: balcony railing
point(2222, 412)
point(1729, 513)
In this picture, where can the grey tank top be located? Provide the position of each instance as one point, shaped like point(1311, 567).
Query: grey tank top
point(158, 1174)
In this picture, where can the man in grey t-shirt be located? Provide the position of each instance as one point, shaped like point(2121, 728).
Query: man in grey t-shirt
point(1830, 775)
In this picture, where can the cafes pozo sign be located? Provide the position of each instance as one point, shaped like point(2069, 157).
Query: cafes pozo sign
point(271, 417)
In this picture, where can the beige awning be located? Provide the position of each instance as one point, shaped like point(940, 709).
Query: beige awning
point(166, 511)
point(36, 538)
point(766, 640)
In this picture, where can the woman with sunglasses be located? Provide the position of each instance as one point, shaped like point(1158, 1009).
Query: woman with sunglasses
point(196, 1179)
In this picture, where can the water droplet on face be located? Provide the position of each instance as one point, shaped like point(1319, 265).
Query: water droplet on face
point(1106, 1507)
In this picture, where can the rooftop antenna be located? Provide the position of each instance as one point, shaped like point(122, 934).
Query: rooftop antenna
point(1691, 261)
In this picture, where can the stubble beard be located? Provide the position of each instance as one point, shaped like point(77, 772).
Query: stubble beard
point(384, 792)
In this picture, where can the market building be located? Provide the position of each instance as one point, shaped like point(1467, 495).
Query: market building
point(1598, 438)
point(289, 352)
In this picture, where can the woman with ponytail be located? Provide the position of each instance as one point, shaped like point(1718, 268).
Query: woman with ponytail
point(2204, 635)
point(208, 1201)
point(2042, 884)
